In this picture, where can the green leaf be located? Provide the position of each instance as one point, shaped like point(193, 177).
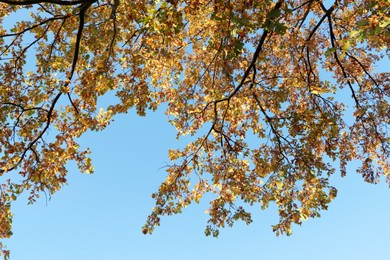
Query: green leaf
point(280, 28)
point(275, 13)
point(329, 52)
point(362, 23)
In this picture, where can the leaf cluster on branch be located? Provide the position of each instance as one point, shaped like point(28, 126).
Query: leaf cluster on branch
point(274, 95)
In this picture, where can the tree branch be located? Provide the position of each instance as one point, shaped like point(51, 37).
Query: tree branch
point(57, 2)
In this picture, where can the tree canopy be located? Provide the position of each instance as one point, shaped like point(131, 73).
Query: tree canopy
point(275, 96)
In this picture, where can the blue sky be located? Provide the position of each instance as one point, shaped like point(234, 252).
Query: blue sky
point(100, 216)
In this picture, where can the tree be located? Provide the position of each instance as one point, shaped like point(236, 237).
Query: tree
point(274, 95)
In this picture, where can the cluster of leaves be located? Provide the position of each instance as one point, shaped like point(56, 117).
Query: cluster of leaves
point(249, 80)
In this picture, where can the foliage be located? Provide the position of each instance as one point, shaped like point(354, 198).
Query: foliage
point(273, 95)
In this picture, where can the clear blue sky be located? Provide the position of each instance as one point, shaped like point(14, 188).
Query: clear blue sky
point(100, 216)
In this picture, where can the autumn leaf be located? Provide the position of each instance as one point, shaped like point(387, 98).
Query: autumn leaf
point(227, 72)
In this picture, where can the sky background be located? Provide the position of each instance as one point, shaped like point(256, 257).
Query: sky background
point(100, 216)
